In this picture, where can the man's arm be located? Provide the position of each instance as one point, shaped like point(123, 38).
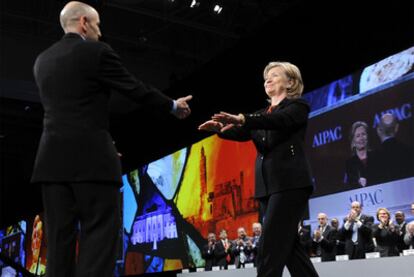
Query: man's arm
point(114, 75)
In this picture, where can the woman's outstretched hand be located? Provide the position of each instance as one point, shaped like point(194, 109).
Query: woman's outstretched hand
point(227, 118)
point(214, 126)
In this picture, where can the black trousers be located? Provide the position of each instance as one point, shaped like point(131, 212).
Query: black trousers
point(95, 208)
point(279, 243)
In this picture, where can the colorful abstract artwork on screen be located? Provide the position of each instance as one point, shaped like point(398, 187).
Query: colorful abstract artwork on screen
point(171, 205)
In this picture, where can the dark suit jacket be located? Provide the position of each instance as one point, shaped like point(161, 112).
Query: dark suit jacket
point(400, 243)
point(327, 245)
point(305, 240)
point(279, 139)
point(236, 249)
point(220, 254)
point(355, 169)
point(387, 240)
point(365, 243)
point(395, 161)
point(74, 77)
point(254, 250)
point(208, 255)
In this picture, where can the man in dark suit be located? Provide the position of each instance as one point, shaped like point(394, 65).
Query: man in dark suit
point(394, 159)
point(324, 239)
point(222, 251)
point(402, 228)
point(242, 248)
point(357, 232)
point(77, 163)
point(254, 243)
point(208, 252)
point(305, 238)
point(340, 244)
point(283, 179)
point(409, 235)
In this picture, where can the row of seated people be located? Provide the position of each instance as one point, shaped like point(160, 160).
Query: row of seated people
point(359, 235)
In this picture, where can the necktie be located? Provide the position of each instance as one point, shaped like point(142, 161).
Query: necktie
point(226, 245)
point(354, 233)
point(318, 249)
point(242, 257)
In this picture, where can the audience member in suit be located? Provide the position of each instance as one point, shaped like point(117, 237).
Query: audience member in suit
point(340, 244)
point(222, 250)
point(241, 248)
point(357, 232)
point(254, 244)
point(409, 235)
point(77, 164)
point(385, 234)
point(305, 238)
point(359, 170)
point(324, 239)
point(402, 227)
point(395, 159)
point(283, 180)
point(208, 252)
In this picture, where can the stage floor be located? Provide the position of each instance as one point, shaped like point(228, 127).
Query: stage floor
point(381, 267)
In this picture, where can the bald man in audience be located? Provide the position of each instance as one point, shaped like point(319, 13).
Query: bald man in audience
point(324, 239)
point(208, 252)
point(241, 248)
point(253, 244)
point(357, 232)
point(395, 159)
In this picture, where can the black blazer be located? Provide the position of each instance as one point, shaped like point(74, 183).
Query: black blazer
point(327, 244)
point(401, 244)
point(279, 136)
point(365, 243)
point(396, 161)
point(355, 169)
point(207, 253)
point(305, 240)
point(387, 240)
point(221, 254)
point(74, 77)
point(236, 249)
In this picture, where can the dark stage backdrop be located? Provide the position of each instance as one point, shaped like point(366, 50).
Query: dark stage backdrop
point(170, 205)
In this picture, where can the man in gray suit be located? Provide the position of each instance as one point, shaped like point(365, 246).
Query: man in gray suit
point(77, 163)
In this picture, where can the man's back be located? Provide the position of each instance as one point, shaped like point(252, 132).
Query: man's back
point(75, 144)
point(67, 75)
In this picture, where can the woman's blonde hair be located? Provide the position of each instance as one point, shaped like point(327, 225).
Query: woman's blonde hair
point(292, 72)
point(386, 211)
point(355, 126)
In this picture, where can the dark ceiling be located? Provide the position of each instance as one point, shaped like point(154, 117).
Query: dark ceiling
point(218, 58)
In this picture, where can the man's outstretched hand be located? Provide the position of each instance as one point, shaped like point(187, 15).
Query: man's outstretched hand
point(183, 109)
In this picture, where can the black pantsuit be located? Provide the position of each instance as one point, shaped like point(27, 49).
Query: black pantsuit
point(280, 243)
point(283, 183)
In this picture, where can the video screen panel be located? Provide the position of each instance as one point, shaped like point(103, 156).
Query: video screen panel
point(172, 204)
point(384, 175)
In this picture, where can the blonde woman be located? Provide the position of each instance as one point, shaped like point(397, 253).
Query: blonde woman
point(283, 181)
point(358, 169)
point(386, 234)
